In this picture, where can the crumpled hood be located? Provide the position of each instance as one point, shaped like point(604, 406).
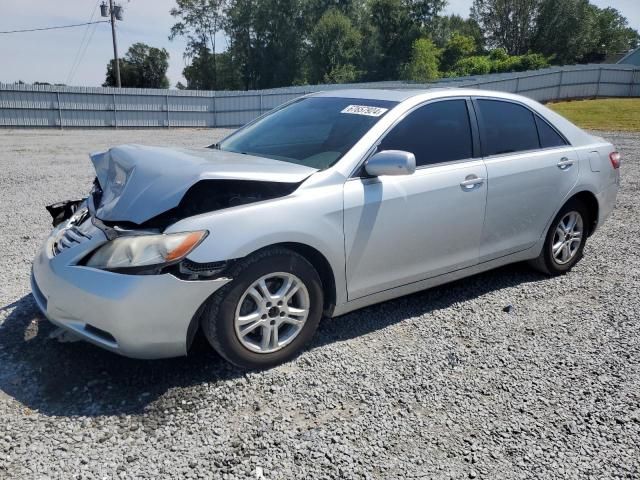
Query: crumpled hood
point(140, 182)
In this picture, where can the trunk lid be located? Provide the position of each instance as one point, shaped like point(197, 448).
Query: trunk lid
point(141, 182)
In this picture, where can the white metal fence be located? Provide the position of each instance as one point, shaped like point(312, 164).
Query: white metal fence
point(51, 106)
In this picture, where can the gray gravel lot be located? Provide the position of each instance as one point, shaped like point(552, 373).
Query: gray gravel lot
point(440, 384)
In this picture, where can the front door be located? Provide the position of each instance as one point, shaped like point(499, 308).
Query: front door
point(403, 229)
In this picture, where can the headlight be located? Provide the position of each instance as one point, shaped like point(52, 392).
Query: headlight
point(145, 250)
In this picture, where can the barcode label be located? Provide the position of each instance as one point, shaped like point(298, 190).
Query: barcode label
point(364, 110)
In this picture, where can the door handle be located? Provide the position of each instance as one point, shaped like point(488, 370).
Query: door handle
point(471, 181)
point(564, 163)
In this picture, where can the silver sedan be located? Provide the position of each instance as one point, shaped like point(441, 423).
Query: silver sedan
point(330, 203)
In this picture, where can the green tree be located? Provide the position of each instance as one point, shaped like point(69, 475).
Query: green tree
point(565, 29)
point(199, 21)
point(238, 27)
point(391, 32)
point(509, 24)
point(442, 28)
point(423, 12)
point(266, 40)
point(142, 67)
point(200, 72)
point(335, 44)
point(315, 9)
point(458, 47)
point(423, 66)
point(577, 31)
point(613, 34)
point(274, 43)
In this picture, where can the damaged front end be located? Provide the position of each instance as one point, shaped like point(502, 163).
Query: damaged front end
point(140, 191)
point(62, 211)
point(153, 187)
point(212, 195)
point(133, 251)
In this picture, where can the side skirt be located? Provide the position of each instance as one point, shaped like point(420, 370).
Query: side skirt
point(403, 290)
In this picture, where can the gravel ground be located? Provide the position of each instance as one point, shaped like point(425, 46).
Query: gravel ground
point(440, 384)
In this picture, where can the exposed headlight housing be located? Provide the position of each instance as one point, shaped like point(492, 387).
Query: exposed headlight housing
point(136, 251)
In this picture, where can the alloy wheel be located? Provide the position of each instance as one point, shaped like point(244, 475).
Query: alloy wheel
point(567, 238)
point(272, 312)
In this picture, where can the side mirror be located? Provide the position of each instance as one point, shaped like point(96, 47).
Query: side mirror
point(391, 162)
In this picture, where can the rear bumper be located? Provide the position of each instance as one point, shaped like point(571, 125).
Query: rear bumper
point(139, 316)
point(607, 201)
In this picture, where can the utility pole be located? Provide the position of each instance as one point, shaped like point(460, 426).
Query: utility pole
point(115, 44)
point(115, 12)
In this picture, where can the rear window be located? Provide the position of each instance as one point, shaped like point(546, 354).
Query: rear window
point(549, 138)
point(507, 127)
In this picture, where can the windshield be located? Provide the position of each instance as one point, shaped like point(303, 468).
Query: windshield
point(313, 131)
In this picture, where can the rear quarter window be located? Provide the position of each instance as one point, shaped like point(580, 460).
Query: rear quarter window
point(506, 127)
point(549, 138)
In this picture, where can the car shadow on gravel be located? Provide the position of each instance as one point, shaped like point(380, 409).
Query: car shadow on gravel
point(78, 379)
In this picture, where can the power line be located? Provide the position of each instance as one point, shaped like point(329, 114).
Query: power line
point(84, 51)
point(81, 49)
point(82, 41)
point(54, 28)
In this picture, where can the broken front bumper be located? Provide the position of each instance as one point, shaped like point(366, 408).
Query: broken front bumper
point(140, 316)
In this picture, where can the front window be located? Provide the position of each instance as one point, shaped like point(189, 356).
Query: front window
point(314, 131)
point(435, 133)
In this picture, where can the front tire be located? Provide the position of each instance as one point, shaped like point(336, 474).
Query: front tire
point(268, 312)
point(565, 240)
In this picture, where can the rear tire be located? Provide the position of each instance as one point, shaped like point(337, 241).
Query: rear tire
point(565, 240)
point(268, 312)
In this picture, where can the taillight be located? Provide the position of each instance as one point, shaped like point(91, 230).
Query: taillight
point(615, 159)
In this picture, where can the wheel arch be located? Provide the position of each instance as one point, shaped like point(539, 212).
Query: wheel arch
point(590, 201)
point(313, 256)
point(322, 266)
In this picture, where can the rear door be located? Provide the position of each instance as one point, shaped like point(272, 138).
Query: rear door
point(530, 169)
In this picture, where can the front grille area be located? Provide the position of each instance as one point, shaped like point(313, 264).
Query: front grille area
point(203, 267)
point(68, 238)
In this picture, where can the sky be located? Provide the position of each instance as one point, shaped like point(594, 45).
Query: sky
point(629, 8)
point(50, 56)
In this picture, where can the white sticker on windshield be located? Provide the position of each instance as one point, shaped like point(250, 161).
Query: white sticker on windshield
point(364, 110)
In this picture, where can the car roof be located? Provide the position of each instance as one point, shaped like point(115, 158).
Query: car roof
point(401, 94)
point(575, 135)
point(394, 95)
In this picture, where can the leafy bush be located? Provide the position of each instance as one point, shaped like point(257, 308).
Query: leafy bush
point(476, 65)
point(498, 61)
point(341, 74)
point(534, 61)
point(498, 55)
point(458, 47)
